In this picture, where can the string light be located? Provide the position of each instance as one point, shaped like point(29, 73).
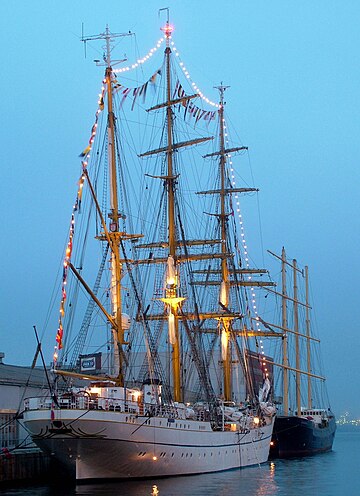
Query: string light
point(246, 257)
point(142, 60)
point(151, 52)
point(187, 75)
point(86, 153)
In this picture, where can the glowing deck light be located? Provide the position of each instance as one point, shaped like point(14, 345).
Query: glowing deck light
point(136, 395)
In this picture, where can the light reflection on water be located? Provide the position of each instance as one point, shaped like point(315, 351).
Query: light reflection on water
point(256, 481)
point(331, 474)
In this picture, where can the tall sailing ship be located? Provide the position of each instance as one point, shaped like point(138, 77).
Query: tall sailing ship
point(182, 385)
point(305, 424)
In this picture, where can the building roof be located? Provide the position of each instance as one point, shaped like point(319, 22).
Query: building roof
point(15, 375)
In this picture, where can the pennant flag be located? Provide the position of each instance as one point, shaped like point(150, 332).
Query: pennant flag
point(59, 335)
point(135, 94)
point(154, 76)
point(85, 152)
point(176, 88)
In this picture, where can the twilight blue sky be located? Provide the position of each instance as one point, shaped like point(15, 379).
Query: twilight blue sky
point(294, 72)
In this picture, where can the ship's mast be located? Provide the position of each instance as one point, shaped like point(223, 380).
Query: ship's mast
point(297, 341)
point(172, 286)
point(309, 403)
point(172, 298)
point(297, 335)
point(225, 284)
point(284, 341)
point(224, 298)
point(113, 234)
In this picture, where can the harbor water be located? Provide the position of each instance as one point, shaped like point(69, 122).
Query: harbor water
point(330, 474)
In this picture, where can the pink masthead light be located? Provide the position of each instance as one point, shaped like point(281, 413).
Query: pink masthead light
point(167, 30)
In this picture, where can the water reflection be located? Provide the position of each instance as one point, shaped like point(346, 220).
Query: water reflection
point(330, 474)
point(279, 477)
point(258, 481)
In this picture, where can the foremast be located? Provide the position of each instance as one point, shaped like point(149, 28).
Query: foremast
point(113, 235)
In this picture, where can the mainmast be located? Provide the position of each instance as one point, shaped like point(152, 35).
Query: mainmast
point(171, 292)
point(172, 298)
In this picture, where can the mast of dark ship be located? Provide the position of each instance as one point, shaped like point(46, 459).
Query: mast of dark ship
point(284, 341)
point(297, 341)
point(309, 400)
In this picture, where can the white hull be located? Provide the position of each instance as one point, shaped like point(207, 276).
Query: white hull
point(95, 444)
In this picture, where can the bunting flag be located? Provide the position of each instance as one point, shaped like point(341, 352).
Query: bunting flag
point(67, 259)
point(87, 150)
point(59, 336)
point(154, 76)
point(134, 92)
point(190, 108)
